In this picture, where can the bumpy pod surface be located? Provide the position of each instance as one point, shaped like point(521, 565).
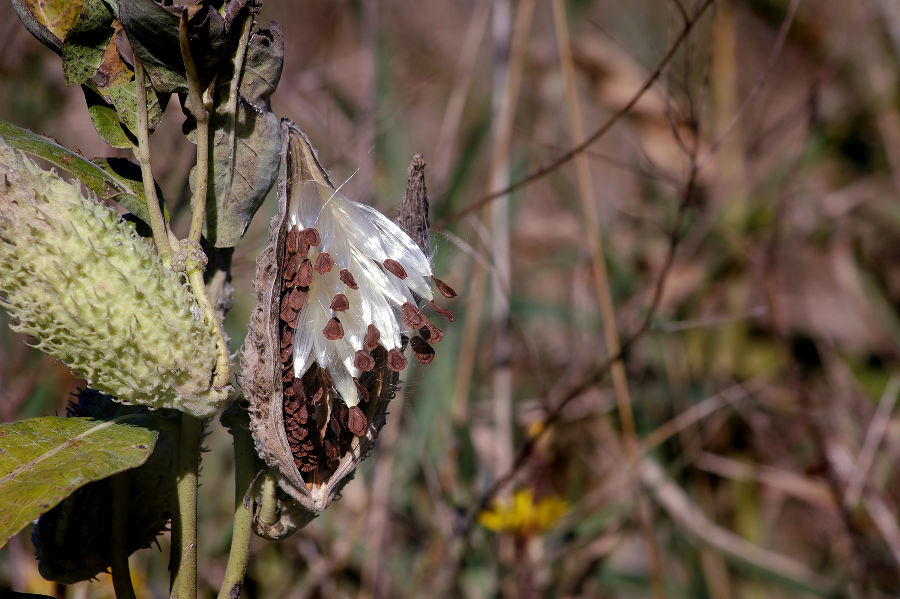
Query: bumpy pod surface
point(94, 294)
point(339, 292)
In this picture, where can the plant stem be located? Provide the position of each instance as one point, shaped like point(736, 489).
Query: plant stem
point(223, 359)
point(121, 574)
point(267, 511)
point(244, 463)
point(157, 222)
point(200, 105)
point(604, 294)
point(184, 529)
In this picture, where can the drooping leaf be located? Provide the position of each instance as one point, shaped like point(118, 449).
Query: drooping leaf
point(106, 120)
point(43, 460)
point(49, 20)
point(75, 540)
point(129, 174)
point(246, 137)
point(113, 69)
point(124, 99)
point(152, 30)
point(86, 43)
point(115, 179)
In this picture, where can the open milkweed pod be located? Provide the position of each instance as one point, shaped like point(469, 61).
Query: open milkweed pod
point(338, 288)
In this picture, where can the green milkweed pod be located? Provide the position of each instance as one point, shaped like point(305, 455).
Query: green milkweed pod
point(94, 294)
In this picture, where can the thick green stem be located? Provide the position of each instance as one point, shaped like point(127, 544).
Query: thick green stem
point(223, 359)
point(244, 466)
point(201, 183)
point(268, 509)
point(200, 105)
point(157, 222)
point(184, 529)
point(121, 574)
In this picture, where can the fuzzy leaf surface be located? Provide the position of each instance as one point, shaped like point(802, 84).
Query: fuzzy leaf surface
point(43, 460)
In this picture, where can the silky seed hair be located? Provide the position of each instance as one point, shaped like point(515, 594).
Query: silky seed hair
point(341, 290)
point(365, 280)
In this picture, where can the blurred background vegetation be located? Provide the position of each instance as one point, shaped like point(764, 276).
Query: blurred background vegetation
point(747, 209)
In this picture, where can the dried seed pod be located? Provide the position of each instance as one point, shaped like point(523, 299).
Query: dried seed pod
point(338, 293)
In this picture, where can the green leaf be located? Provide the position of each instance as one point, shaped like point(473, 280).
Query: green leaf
point(49, 20)
point(85, 45)
point(124, 99)
point(43, 460)
point(113, 111)
point(152, 31)
point(91, 175)
point(246, 139)
point(115, 179)
point(106, 120)
point(129, 174)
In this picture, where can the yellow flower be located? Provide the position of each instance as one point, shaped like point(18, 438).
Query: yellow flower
point(523, 516)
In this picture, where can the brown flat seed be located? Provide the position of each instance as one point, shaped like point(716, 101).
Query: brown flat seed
point(424, 352)
point(297, 298)
point(356, 421)
point(445, 289)
point(333, 330)
point(288, 314)
point(363, 360)
point(412, 316)
point(340, 302)
point(287, 336)
point(443, 312)
point(431, 333)
point(286, 353)
point(395, 268)
point(304, 274)
point(373, 336)
point(324, 263)
point(310, 237)
point(396, 361)
point(290, 267)
point(347, 279)
point(292, 241)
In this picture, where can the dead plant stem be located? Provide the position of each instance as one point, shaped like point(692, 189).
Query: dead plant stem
point(601, 280)
point(593, 137)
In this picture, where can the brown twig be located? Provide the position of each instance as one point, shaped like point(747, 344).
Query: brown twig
point(555, 413)
point(606, 126)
